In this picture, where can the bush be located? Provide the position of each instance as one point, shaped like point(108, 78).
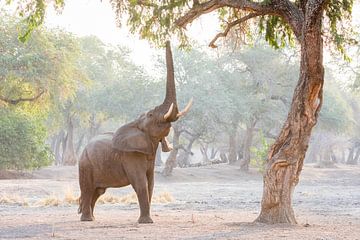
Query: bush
point(260, 155)
point(22, 142)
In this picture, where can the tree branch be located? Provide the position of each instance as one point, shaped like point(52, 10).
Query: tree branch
point(16, 101)
point(231, 25)
point(283, 8)
point(281, 98)
point(207, 7)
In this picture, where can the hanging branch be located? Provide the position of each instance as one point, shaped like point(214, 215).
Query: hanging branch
point(231, 25)
point(18, 100)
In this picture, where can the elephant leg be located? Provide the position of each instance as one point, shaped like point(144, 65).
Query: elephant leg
point(136, 172)
point(86, 210)
point(140, 185)
point(97, 193)
point(143, 198)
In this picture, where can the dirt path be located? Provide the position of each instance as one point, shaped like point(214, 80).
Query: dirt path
point(208, 203)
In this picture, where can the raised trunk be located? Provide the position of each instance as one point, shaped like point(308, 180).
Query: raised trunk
point(286, 156)
point(170, 96)
point(249, 133)
point(171, 160)
point(69, 156)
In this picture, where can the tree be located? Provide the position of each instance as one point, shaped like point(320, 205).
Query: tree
point(281, 20)
point(43, 69)
point(302, 19)
point(22, 141)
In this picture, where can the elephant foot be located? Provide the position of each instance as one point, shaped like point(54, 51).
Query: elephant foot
point(86, 218)
point(145, 219)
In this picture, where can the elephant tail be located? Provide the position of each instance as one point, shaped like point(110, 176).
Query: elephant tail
point(80, 205)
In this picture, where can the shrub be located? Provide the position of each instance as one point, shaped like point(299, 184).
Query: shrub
point(22, 142)
point(260, 154)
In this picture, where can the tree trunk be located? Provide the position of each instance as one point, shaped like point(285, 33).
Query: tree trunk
point(184, 160)
point(325, 159)
point(353, 157)
point(94, 127)
point(232, 148)
point(80, 143)
point(204, 152)
point(171, 160)
point(249, 133)
point(286, 156)
point(59, 141)
point(69, 157)
point(213, 153)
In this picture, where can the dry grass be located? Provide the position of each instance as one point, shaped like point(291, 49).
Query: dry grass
point(13, 200)
point(71, 199)
point(51, 200)
point(163, 197)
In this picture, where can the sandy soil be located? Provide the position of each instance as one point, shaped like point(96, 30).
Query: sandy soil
point(215, 202)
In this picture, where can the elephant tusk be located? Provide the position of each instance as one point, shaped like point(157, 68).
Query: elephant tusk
point(167, 115)
point(186, 109)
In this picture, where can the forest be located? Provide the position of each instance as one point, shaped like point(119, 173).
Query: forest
point(266, 103)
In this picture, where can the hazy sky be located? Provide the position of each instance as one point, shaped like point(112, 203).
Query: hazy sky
point(95, 17)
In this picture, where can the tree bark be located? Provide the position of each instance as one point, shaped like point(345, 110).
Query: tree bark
point(171, 160)
point(286, 156)
point(69, 157)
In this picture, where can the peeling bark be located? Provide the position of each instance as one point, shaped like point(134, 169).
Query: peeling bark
point(285, 159)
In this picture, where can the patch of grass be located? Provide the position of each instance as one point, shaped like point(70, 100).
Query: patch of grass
point(70, 198)
point(131, 198)
point(163, 197)
point(13, 199)
point(51, 200)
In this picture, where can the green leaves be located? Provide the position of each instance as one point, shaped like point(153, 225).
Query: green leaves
point(338, 14)
point(277, 33)
point(22, 142)
point(32, 14)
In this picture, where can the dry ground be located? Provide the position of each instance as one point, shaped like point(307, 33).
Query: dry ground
point(215, 202)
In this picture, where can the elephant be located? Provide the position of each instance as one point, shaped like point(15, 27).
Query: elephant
point(128, 155)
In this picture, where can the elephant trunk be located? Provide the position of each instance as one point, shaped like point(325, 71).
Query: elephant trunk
point(170, 97)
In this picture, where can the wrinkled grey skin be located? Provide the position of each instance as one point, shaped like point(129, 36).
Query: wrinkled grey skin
point(128, 155)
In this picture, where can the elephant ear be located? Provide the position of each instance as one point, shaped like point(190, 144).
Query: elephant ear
point(132, 139)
